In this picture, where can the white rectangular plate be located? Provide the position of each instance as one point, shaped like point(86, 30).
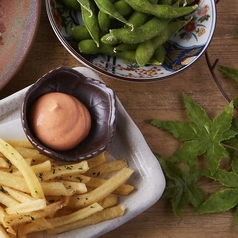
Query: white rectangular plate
point(128, 143)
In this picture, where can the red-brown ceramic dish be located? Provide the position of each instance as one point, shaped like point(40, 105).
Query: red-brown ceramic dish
point(19, 22)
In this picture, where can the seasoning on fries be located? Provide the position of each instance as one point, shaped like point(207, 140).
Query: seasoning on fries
point(39, 194)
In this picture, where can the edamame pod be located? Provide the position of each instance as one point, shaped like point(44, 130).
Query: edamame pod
point(138, 18)
point(161, 11)
point(86, 4)
point(108, 7)
point(159, 54)
point(89, 47)
point(80, 33)
point(104, 21)
point(146, 49)
point(123, 8)
point(91, 22)
point(142, 33)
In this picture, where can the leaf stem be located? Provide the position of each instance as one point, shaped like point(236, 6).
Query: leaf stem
point(211, 69)
point(230, 147)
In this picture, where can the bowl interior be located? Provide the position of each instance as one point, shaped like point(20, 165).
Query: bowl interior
point(95, 95)
point(182, 49)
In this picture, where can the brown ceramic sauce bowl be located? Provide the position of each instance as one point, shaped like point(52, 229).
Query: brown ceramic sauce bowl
point(98, 98)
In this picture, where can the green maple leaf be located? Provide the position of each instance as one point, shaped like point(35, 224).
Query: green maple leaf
point(226, 198)
point(230, 72)
point(181, 186)
point(221, 201)
point(201, 136)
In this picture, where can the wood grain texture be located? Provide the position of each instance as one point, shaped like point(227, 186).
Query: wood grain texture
point(157, 100)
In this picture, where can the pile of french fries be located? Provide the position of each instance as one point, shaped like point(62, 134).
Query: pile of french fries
point(40, 194)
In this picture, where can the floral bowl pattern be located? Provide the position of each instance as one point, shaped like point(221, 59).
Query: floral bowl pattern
point(183, 49)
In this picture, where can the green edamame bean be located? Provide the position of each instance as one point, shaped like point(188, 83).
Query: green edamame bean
point(146, 49)
point(144, 52)
point(104, 21)
point(86, 4)
point(142, 33)
point(72, 4)
point(108, 7)
point(159, 54)
point(80, 33)
point(89, 47)
point(161, 11)
point(123, 8)
point(91, 22)
point(138, 18)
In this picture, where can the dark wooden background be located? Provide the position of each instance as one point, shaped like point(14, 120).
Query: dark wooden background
point(157, 100)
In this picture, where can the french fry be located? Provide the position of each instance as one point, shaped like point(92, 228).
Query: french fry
point(18, 161)
point(109, 201)
point(31, 153)
point(9, 180)
point(29, 206)
point(3, 233)
point(75, 216)
point(79, 188)
point(4, 163)
point(56, 189)
point(2, 214)
point(38, 168)
point(70, 196)
point(76, 178)
point(58, 171)
point(20, 143)
point(7, 200)
point(35, 226)
point(103, 190)
point(106, 168)
point(124, 189)
point(14, 219)
point(28, 160)
point(49, 188)
point(19, 196)
point(12, 232)
point(97, 160)
point(106, 214)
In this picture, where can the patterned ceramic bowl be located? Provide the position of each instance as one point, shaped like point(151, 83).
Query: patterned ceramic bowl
point(182, 50)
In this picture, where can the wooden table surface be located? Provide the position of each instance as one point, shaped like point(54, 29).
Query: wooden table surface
point(156, 100)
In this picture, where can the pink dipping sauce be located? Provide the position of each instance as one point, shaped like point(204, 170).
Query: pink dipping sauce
point(60, 120)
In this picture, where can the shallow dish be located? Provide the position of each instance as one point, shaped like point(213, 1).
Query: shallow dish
point(129, 143)
point(19, 22)
point(182, 50)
